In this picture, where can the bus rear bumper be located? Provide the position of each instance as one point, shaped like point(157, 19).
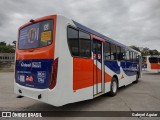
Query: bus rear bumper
point(45, 95)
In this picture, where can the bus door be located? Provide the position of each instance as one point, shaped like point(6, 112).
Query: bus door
point(98, 67)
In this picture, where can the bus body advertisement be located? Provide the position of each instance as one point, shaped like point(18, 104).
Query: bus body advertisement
point(59, 61)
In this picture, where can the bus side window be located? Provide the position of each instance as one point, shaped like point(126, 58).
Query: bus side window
point(134, 57)
point(137, 58)
point(107, 51)
point(119, 53)
point(73, 41)
point(127, 55)
point(131, 56)
point(84, 44)
point(113, 52)
point(123, 54)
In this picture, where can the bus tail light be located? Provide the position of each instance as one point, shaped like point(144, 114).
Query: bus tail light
point(54, 74)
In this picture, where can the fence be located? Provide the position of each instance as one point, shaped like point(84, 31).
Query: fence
point(7, 61)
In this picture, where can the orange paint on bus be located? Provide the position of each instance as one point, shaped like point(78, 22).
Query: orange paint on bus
point(154, 66)
point(97, 38)
point(82, 73)
point(97, 75)
point(108, 78)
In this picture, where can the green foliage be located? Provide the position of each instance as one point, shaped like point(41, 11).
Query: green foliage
point(150, 52)
point(2, 43)
point(154, 52)
point(144, 54)
point(146, 51)
point(4, 48)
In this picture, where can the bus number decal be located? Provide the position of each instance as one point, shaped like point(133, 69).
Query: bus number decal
point(46, 27)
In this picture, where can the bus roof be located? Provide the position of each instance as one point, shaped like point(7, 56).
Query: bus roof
point(82, 27)
point(152, 56)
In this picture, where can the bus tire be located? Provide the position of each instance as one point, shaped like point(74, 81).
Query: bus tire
point(137, 77)
point(114, 87)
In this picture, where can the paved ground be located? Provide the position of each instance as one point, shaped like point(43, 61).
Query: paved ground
point(144, 96)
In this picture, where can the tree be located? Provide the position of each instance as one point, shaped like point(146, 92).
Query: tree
point(154, 52)
point(4, 48)
point(2, 43)
point(146, 51)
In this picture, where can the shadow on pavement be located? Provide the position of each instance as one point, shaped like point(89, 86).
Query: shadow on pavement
point(147, 73)
point(78, 106)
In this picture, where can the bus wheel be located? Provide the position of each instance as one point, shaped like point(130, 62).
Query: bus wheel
point(137, 78)
point(114, 87)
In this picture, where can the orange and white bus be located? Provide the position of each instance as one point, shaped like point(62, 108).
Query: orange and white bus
point(59, 61)
point(151, 64)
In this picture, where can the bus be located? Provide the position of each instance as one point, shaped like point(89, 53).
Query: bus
point(151, 64)
point(60, 61)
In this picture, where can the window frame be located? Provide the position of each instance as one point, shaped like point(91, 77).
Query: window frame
point(68, 40)
point(106, 42)
point(117, 54)
point(156, 60)
point(111, 50)
point(127, 54)
point(52, 34)
point(135, 57)
point(79, 30)
point(86, 40)
point(123, 51)
point(131, 56)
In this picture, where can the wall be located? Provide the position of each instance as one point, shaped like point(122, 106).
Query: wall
point(7, 62)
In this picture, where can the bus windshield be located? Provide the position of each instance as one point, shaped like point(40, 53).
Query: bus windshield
point(36, 35)
point(153, 60)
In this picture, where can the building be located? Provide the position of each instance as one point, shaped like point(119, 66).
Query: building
point(7, 57)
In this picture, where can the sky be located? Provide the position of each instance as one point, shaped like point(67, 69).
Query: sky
point(130, 22)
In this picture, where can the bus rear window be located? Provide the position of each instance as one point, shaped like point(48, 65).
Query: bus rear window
point(36, 35)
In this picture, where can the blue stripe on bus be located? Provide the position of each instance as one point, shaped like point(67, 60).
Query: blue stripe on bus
point(112, 65)
point(129, 68)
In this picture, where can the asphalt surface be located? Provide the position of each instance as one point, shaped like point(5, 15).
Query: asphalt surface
point(143, 96)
